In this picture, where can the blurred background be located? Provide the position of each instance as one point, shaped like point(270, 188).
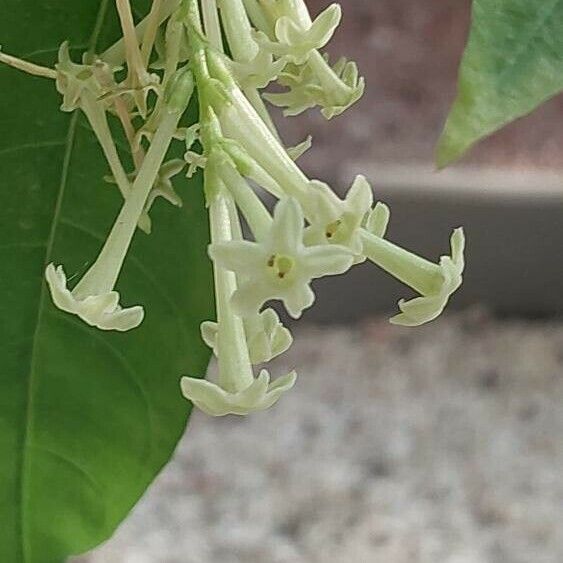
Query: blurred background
point(442, 444)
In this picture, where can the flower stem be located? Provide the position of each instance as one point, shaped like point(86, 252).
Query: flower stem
point(97, 118)
point(149, 36)
point(212, 24)
point(174, 31)
point(135, 63)
point(243, 49)
point(102, 276)
point(115, 55)
point(30, 68)
point(422, 275)
point(254, 211)
point(235, 369)
point(258, 17)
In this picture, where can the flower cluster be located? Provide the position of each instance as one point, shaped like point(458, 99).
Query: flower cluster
point(180, 48)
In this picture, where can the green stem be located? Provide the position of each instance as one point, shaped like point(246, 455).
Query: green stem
point(238, 30)
point(259, 18)
point(135, 64)
point(212, 24)
point(97, 118)
point(258, 104)
point(257, 216)
point(423, 276)
point(235, 369)
point(30, 68)
point(149, 35)
point(115, 55)
point(174, 31)
point(243, 49)
point(102, 276)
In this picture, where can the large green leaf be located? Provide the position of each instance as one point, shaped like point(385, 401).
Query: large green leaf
point(87, 418)
point(512, 64)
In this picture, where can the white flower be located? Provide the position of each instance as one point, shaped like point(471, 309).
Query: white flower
point(258, 72)
point(297, 151)
point(102, 311)
point(435, 282)
point(378, 220)
point(337, 221)
point(266, 336)
point(216, 401)
point(93, 299)
point(280, 266)
point(296, 41)
point(424, 309)
point(73, 79)
point(333, 89)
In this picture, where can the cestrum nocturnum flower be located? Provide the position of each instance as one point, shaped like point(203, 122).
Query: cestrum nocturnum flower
point(266, 336)
point(214, 400)
point(337, 221)
point(279, 266)
point(237, 391)
point(435, 282)
point(333, 89)
point(234, 48)
point(311, 81)
point(297, 36)
point(94, 299)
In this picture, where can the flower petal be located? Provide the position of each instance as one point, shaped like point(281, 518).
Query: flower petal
point(242, 257)
point(359, 199)
point(286, 235)
point(327, 260)
point(297, 299)
point(248, 299)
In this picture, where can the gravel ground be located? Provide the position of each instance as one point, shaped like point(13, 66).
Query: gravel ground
point(439, 445)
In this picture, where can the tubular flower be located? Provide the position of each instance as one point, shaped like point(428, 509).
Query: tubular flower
point(236, 391)
point(227, 52)
point(102, 311)
point(297, 37)
point(266, 336)
point(333, 89)
point(260, 395)
point(338, 221)
point(310, 79)
point(435, 282)
point(279, 266)
point(94, 299)
point(73, 79)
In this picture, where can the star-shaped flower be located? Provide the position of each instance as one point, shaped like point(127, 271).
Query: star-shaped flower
point(102, 311)
point(337, 221)
point(333, 89)
point(280, 266)
point(266, 336)
point(258, 72)
point(295, 41)
point(426, 308)
point(74, 79)
point(216, 401)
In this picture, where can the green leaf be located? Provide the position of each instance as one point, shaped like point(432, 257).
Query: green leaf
point(87, 418)
point(512, 64)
